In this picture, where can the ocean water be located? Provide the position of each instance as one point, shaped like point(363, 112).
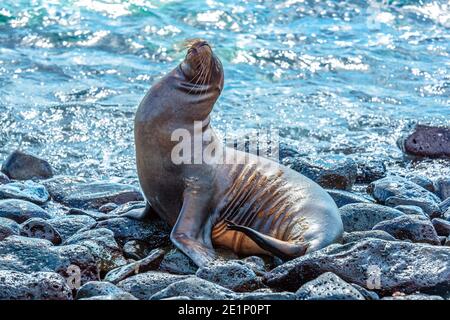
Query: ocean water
point(334, 77)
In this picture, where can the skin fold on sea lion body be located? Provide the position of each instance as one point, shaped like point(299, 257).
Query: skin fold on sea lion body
point(252, 205)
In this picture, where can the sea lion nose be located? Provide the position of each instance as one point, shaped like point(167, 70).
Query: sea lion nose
point(201, 44)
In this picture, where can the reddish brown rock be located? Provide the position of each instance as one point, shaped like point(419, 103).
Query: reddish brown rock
point(427, 141)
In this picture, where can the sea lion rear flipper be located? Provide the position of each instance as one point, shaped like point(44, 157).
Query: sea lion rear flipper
point(147, 213)
point(282, 249)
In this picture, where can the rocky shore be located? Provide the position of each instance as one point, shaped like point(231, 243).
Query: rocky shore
point(55, 242)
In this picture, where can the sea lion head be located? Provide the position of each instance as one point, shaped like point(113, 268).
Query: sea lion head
point(201, 68)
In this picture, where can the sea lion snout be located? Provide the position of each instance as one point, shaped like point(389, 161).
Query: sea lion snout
point(201, 66)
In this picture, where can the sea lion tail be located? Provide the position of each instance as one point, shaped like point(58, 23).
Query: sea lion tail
point(282, 249)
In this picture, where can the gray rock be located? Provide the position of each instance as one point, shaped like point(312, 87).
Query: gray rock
point(414, 210)
point(8, 228)
point(426, 141)
point(20, 211)
point(257, 264)
point(136, 249)
point(29, 255)
point(23, 166)
point(408, 227)
point(127, 207)
point(103, 247)
point(342, 198)
point(367, 294)
point(442, 187)
point(394, 191)
point(333, 172)
point(195, 288)
point(230, 274)
point(4, 178)
point(96, 215)
point(445, 205)
point(155, 232)
point(441, 226)
point(268, 296)
point(328, 286)
point(177, 298)
point(145, 285)
point(364, 216)
point(114, 297)
point(422, 181)
point(41, 229)
point(15, 285)
point(177, 262)
point(108, 207)
point(151, 262)
point(361, 235)
point(418, 296)
point(98, 288)
point(68, 225)
point(370, 169)
point(27, 190)
point(90, 195)
point(396, 264)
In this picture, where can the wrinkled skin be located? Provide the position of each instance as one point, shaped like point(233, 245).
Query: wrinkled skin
point(254, 206)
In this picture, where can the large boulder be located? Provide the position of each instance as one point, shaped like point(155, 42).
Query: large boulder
point(15, 285)
point(385, 266)
point(197, 289)
point(27, 190)
point(364, 216)
point(145, 285)
point(23, 166)
point(20, 211)
point(333, 172)
point(74, 192)
point(29, 255)
point(328, 286)
point(394, 191)
point(409, 227)
point(427, 141)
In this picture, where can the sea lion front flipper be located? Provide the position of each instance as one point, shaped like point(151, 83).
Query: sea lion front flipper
point(282, 249)
point(192, 231)
point(138, 214)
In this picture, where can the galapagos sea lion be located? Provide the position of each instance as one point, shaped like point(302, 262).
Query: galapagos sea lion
point(255, 206)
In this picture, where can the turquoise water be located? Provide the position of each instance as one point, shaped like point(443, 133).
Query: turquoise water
point(333, 76)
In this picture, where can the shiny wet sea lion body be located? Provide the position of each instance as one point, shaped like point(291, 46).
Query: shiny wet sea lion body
point(254, 206)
